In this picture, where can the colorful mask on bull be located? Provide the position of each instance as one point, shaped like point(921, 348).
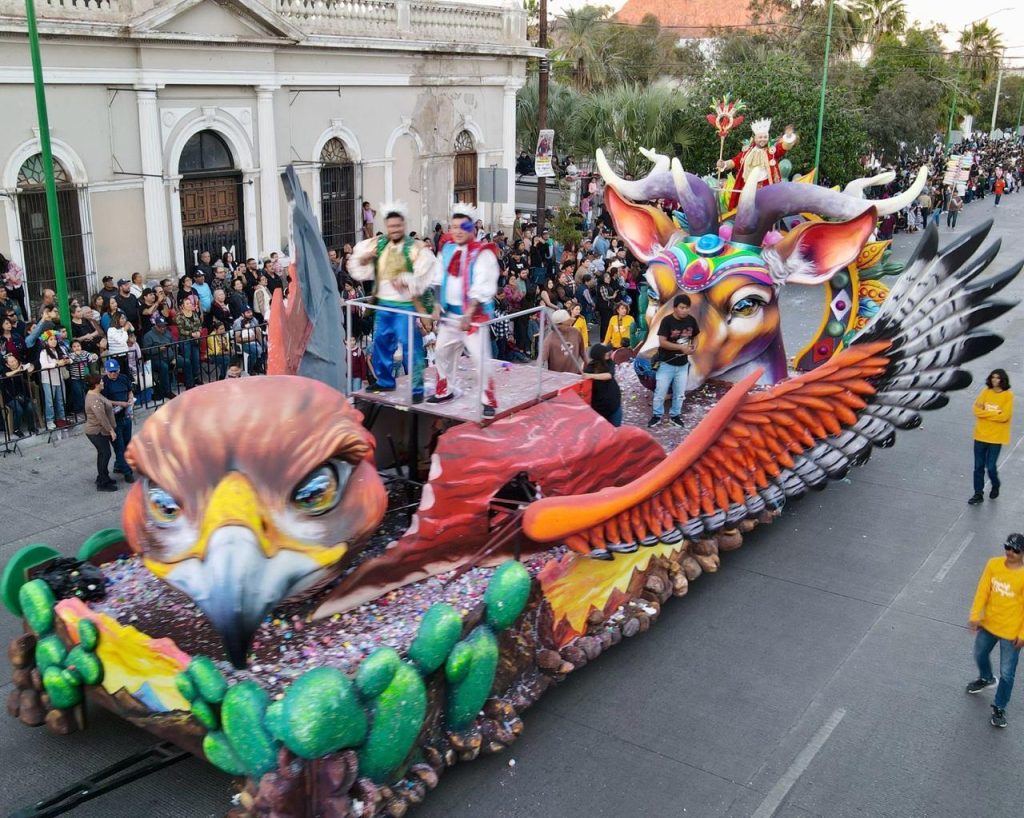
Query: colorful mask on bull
point(733, 272)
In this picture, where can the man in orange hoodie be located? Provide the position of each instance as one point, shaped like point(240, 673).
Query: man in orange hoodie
point(997, 615)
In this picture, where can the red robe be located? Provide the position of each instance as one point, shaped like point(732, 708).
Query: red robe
point(775, 153)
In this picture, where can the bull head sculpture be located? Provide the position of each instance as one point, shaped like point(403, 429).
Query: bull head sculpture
point(733, 273)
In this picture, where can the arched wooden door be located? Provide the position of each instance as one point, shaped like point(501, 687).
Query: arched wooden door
point(211, 200)
point(465, 168)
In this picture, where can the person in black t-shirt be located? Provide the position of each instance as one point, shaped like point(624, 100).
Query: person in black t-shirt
point(675, 343)
point(606, 397)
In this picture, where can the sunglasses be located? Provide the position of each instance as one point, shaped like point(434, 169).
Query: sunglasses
point(1009, 547)
point(468, 226)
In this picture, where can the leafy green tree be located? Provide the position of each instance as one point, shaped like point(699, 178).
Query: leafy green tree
point(783, 86)
point(905, 110)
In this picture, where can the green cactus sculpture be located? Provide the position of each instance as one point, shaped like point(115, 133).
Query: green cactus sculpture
point(397, 701)
point(319, 714)
point(242, 715)
point(438, 632)
point(37, 601)
point(64, 672)
point(470, 670)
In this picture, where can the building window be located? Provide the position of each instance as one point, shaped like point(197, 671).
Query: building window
point(338, 202)
point(36, 248)
point(465, 168)
point(211, 199)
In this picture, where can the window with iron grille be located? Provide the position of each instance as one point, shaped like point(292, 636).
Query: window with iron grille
point(338, 196)
point(465, 168)
point(36, 246)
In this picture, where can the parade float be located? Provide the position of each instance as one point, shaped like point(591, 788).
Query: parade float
point(262, 609)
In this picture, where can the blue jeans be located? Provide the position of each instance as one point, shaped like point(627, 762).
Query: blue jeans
point(53, 402)
point(674, 377)
point(221, 362)
point(985, 457)
point(23, 419)
point(162, 373)
point(190, 354)
point(76, 396)
point(123, 426)
point(389, 330)
point(1008, 656)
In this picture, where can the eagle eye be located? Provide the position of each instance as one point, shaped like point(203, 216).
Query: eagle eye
point(321, 489)
point(163, 508)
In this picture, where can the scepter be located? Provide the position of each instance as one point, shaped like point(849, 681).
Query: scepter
point(724, 117)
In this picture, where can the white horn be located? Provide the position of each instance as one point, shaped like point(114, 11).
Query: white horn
point(639, 190)
point(858, 186)
point(660, 161)
point(745, 212)
point(886, 206)
point(679, 178)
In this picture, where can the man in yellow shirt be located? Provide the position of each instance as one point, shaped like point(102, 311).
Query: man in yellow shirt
point(997, 615)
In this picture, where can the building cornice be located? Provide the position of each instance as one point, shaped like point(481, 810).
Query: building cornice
point(149, 78)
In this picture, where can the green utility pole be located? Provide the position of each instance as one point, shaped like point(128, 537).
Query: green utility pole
point(952, 107)
point(1020, 111)
point(56, 242)
point(824, 83)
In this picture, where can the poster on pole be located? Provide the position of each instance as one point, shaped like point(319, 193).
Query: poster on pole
point(545, 148)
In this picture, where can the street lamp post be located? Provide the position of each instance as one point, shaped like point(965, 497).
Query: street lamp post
point(56, 242)
point(824, 83)
point(542, 107)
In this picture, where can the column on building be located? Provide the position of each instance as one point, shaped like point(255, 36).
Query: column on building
point(154, 192)
point(270, 200)
point(508, 143)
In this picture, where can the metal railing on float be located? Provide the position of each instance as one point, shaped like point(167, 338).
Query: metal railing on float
point(485, 339)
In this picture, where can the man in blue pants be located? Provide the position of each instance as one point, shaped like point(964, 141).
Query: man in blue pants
point(676, 340)
point(401, 268)
point(117, 388)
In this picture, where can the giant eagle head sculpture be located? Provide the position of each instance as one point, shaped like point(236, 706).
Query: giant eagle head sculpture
point(251, 492)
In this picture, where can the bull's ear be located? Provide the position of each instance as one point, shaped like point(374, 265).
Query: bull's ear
point(642, 227)
point(813, 252)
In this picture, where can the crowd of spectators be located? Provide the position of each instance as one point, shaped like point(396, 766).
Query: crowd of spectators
point(165, 336)
point(211, 323)
point(994, 168)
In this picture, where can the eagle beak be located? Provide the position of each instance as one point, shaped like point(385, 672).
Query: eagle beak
point(237, 585)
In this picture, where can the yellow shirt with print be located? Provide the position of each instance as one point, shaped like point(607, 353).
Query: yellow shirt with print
point(994, 411)
point(999, 601)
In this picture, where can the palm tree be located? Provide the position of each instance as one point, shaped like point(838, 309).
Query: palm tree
point(880, 17)
point(580, 47)
point(563, 103)
point(623, 119)
point(981, 50)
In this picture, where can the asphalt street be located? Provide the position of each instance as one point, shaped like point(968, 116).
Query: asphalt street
point(819, 673)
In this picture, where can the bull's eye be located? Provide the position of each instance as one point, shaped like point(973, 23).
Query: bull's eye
point(163, 508)
point(746, 307)
point(321, 489)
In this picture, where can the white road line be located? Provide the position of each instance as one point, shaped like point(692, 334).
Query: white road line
point(948, 564)
point(798, 767)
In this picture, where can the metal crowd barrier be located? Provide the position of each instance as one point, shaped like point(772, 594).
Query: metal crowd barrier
point(163, 372)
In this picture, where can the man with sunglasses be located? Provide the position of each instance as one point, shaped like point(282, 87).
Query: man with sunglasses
point(465, 281)
point(997, 616)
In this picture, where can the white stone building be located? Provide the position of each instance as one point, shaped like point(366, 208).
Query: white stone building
point(171, 121)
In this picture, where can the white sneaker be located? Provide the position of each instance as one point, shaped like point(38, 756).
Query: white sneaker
point(51, 425)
